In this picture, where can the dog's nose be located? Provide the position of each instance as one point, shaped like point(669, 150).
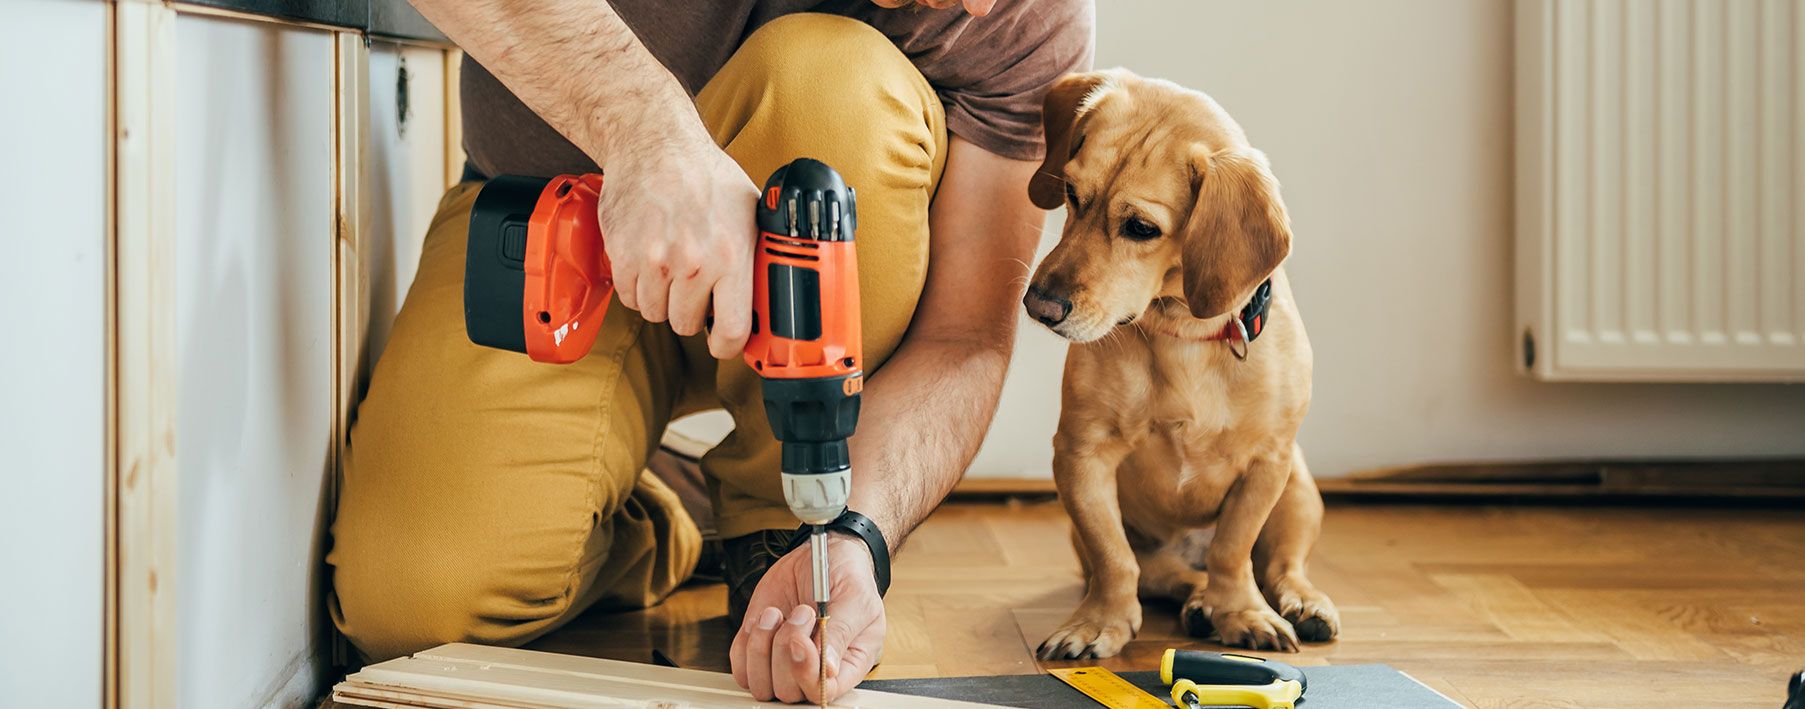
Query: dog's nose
point(1049, 309)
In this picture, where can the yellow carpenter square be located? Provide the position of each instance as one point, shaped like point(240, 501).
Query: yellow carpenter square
point(1108, 688)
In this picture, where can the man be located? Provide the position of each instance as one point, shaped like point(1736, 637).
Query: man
point(489, 498)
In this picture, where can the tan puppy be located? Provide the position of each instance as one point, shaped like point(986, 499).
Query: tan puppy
point(1173, 222)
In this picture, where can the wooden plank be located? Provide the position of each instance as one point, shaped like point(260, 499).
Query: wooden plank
point(379, 696)
point(110, 623)
point(145, 396)
point(523, 678)
point(350, 219)
point(350, 124)
point(454, 118)
point(713, 682)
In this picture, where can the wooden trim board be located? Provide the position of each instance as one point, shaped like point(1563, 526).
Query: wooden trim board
point(1724, 479)
point(454, 118)
point(350, 292)
point(110, 604)
point(144, 396)
point(463, 676)
point(1778, 479)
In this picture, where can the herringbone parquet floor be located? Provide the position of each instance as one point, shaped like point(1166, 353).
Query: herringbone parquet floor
point(1495, 606)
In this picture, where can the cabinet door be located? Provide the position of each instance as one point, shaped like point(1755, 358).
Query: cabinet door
point(405, 174)
point(254, 242)
point(53, 351)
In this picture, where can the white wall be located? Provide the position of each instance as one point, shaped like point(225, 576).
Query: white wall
point(1389, 124)
point(53, 140)
point(254, 243)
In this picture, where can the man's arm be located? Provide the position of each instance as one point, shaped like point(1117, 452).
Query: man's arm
point(927, 409)
point(679, 232)
point(577, 65)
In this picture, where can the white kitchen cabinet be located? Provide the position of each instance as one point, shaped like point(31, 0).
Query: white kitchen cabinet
point(269, 202)
point(405, 150)
point(254, 242)
point(53, 351)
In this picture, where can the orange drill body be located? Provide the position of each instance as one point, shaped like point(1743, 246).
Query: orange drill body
point(807, 355)
point(537, 280)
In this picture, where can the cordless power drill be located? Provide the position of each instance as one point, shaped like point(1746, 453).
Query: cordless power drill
point(538, 281)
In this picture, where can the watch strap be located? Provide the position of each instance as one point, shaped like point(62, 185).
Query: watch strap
point(862, 527)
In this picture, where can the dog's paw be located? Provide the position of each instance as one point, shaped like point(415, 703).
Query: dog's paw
point(1309, 611)
point(1254, 629)
point(1315, 619)
point(1196, 620)
point(1091, 634)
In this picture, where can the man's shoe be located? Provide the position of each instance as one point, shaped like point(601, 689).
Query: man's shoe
point(745, 562)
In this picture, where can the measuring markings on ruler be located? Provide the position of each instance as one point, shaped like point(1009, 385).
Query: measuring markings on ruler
point(1108, 688)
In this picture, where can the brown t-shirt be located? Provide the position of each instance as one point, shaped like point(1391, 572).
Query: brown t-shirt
point(989, 71)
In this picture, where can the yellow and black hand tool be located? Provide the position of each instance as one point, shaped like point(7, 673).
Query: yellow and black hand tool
point(1200, 679)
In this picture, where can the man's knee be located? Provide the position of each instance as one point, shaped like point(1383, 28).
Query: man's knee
point(398, 599)
point(830, 80)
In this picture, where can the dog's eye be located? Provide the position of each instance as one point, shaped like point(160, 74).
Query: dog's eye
point(1071, 195)
point(1136, 228)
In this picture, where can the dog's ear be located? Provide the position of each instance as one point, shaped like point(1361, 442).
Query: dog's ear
point(1059, 115)
point(1238, 232)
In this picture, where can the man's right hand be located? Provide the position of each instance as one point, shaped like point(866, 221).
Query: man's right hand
point(677, 213)
point(679, 224)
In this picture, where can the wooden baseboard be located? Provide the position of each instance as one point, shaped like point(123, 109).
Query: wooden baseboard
point(1767, 479)
point(1777, 479)
point(1004, 487)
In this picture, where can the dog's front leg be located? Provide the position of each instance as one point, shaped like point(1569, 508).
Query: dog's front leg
point(1084, 467)
point(1231, 604)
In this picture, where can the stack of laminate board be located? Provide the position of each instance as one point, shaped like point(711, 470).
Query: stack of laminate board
point(461, 676)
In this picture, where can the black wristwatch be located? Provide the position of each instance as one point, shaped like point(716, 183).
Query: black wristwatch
point(862, 527)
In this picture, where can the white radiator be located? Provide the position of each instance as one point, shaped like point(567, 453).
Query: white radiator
point(1660, 174)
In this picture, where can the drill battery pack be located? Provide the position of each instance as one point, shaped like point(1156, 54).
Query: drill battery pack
point(536, 278)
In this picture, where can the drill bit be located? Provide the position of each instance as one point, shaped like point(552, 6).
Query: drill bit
point(818, 552)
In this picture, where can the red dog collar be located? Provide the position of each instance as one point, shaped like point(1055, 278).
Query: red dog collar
point(1241, 329)
point(1247, 326)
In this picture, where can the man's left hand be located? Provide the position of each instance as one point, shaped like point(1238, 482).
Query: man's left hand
point(774, 655)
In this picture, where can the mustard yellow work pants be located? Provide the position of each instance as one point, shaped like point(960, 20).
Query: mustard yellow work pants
point(489, 498)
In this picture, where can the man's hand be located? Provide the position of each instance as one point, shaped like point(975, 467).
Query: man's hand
point(679, 229)
point(774, 655)
point(676, 212)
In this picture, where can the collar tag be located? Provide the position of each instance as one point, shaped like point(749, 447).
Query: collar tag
point(1239, 336)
